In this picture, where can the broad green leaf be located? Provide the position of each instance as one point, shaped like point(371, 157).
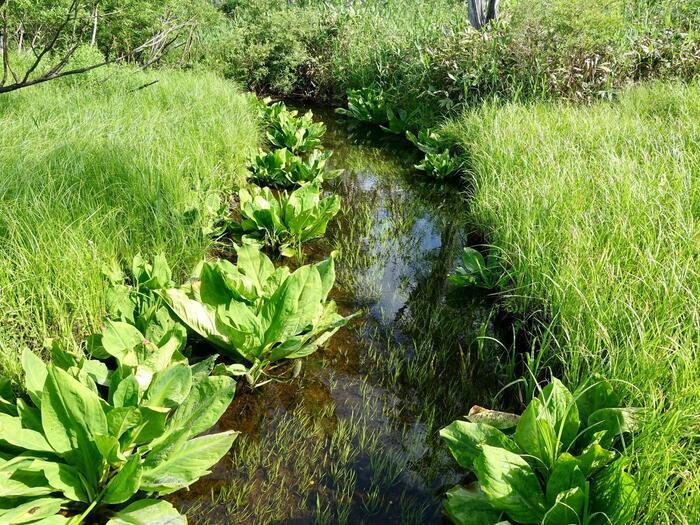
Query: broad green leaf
point(205, 405)
point(293, 306)
point(125, 484)
point(29, 415)
point(535, 434)
point(469, 507)
point(17, 482)
point(7, 396)
point(121, 419)
point(565, 475)
point(326, 270)
point(110, 449)
point(72, 416)
point(255, 265)
point(567, 508)
point(31, 511)
point(148, 512)
point(594, 394)
point(464, 440)
point(594, 457)
point(126, 393)
point(178, 465)
point(152, 425)
point(34, 375)
point(63, 478)
point(11, 432)
point(560, 404)
point(119, 340)
point(52, 520)
point(198, 317)
point(510, 484)
point(614, 421)
point(170, 387)
point(212, 287)
point(613, 496)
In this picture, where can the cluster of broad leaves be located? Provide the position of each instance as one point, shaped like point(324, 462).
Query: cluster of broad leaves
point(256, 312)
point(560, 466)
point(366, 105)
point(438, 160)
point(98, 444)
point(286, 220)
point(299, 134)
point(369, 106)
point(477, 271)
point(280, 168)
point(297, 156)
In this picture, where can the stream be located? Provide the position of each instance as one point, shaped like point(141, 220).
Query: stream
point(354, 439)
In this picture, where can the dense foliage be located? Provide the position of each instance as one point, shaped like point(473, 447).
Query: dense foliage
point(284, 221)
point(425, 56)
point(92, 442)
point(256, 312)
point(556, 468)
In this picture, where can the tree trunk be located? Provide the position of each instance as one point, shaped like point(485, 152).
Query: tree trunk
point(481, 12)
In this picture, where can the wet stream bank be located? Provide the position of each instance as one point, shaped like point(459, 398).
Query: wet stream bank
point(354, 438)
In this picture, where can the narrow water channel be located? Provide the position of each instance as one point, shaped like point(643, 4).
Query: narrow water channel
point(354, 438)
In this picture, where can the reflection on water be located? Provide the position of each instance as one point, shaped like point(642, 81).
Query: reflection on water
point(353, 439)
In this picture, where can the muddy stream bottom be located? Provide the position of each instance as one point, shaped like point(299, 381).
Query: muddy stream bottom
point(354, 438)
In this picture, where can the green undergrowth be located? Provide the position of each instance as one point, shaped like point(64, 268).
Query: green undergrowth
point(92, 170)
point(429, 61)
point(596, 211)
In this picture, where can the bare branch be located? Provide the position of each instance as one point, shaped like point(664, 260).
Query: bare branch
point(156, 46)
point(69, 16)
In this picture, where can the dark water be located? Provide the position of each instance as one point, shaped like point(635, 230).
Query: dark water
point(354, 438)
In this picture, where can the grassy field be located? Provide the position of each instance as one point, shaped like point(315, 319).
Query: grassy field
point(95, 170)
point(596, 211)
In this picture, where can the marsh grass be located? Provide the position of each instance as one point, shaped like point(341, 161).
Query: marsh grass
point(344, 462)
point(597, 210)
point(94, 170)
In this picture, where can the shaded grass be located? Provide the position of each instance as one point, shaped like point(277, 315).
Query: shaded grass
point(94, 170)
point(596, 210)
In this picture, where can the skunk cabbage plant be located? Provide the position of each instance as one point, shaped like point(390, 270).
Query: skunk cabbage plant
point(438, 161)
point(256, 312)
point(280, 168)
point(560, 465)
point(283, 221)
point(95, 445)
point(478, 272)
point(367, 105)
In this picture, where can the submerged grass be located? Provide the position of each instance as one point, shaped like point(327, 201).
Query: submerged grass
point(96, 169)
point(596, 210)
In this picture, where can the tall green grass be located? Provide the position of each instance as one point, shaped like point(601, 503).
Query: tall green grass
point(597, 211)
point(93, 170)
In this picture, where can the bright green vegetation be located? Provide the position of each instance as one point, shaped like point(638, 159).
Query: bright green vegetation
point(478, 271)
point(558, 466)
point(595, 214)
point(92, 171)
point(297, 156)
point(426, 59)
point(257, 312)
point(88, 451)
point(279, 168)
point(284, 221)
